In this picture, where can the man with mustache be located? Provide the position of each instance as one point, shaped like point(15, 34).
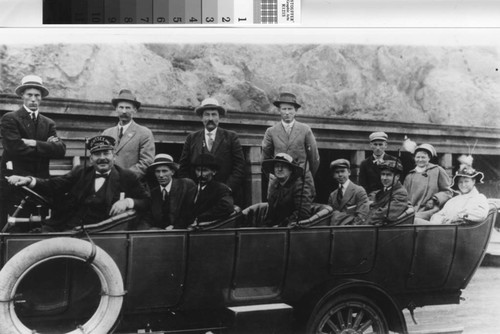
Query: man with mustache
point(29, 140)
point(91, 194)
point(222, 144)
point(135, 145)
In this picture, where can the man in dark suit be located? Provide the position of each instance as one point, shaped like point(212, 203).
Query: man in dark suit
point(213, 200)
point(90, 194)
point(29, 141)
point(294, 138)
point(222, 144)
point(349, 201)
point(135, 144)
point(172, 199)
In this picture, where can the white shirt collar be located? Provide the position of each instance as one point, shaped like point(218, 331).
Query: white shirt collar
point(125, 127)
point(167, 187)
point(345, 185)
point(213, 132)
point(31, 111)
point(288, 125)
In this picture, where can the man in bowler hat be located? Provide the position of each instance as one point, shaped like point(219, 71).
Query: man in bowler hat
point(88, 195)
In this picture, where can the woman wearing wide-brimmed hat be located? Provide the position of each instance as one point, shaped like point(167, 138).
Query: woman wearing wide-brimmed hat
point(469, 205)
point(428, 185)
point(288, 199)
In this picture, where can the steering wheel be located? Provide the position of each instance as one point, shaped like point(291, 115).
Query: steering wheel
point(36, 197)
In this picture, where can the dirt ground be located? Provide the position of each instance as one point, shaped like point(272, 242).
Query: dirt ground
point(479, 313)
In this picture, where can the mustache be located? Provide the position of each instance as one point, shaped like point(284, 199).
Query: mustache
point(102, 161)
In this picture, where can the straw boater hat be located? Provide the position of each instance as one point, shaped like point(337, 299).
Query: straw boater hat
point(287, 98)
point(206, 160)
point(32, 81)
point(466, 170)
point(378, 136)
point(212, 104)
point(391, 165)
point(268, 165)
point(100, 143)
point(163, 159)
point(126, 96)
point(340, 163)
point(427, 148)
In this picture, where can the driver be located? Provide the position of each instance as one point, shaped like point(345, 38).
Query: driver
point(91, 194)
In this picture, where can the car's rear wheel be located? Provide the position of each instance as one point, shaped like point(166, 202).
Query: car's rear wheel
point(348, 314)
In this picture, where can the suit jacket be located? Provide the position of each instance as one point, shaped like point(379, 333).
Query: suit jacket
point(288, 203)
point(227, 150)
point(33, 161)
point(136, 149)
point(369, 173)
point(70, 191)
point(353, 208)
point(380, 211)
point(213, 202)
point(181, 202)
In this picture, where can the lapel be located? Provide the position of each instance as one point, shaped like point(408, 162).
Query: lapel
point(174, 190)
point(112, 185)
point(198, 143)
point(295, 132)
point(282, 135)
point(349, 192)
point(27, 123)
point(218, 140)
point(127, 136)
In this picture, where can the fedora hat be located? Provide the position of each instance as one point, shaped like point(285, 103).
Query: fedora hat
point(100, 143)
point(287, 98)
point(31, 81)
point(206, 160)
point(268, 165)
point(127, 96)
point(427, 148)
point(212, 104)
point(164, 159)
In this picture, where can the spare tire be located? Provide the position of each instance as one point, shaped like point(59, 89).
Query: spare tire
point(20, 264)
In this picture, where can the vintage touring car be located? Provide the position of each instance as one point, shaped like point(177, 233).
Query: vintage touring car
point(234, 276)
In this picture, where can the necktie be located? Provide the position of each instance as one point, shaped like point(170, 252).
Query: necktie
point(98, 175)
point(340, 195)
point(197, 193)
point(288, 129)
point(210, 141)
point(164, 194)
point(120, 133)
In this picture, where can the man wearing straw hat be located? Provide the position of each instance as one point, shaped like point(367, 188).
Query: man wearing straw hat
point(172, 199)
point(29, 141)
point(294, 138)
point(135, 145)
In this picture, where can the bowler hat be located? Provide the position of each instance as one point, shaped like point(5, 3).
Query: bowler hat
point(206, 160)
point(32, 81)
point(268, 165)
point(127, 96)
point(164, 159)
point(100, 143)
point(212, 104)
point(378, 136)
point(392, 165)
point(287, 98)
point(340, 163)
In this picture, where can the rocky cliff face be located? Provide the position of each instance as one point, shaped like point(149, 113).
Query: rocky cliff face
point(459, 86)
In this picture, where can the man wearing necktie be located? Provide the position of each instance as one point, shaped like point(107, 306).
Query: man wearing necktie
point(135, 144)
point(172, 199)
point(294, 138)
point(221, 143)
point(349, 201)
point(88, 195)
point(29, 140)
point(392, 200)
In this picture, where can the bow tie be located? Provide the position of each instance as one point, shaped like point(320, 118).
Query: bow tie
point(99, 175)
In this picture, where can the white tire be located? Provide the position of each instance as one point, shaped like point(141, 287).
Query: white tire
point(20, 264)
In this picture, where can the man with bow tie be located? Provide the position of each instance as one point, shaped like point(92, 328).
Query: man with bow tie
point(29, 141)
point(221, 143)
point(294, 138)
point(88, 195)
point(349, 201)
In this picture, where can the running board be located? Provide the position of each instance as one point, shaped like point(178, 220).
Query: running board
point(263, 318)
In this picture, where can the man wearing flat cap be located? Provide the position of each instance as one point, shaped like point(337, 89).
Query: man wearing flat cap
point(349, 201)
point(29, 140)
point(221, 143)
point(172, 199)
point(135, 145)
point(289, 201)
point(294, 138)
point(89, 194)
point(392, 200)
point(213, 199)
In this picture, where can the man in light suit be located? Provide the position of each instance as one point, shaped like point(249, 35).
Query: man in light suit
point(223, 144)
point(172, 199)
point(29, 141)
point(294, 138)
point(135, 145)
point(349, 201)
point(88, 195)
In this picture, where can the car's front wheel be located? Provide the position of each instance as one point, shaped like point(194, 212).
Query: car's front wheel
point(348, 314)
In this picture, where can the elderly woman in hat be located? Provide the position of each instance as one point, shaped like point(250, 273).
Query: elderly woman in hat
point(288, 199)
point(469, 204)
point(427, 184)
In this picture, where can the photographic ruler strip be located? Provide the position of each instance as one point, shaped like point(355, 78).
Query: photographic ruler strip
point(220, 12)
